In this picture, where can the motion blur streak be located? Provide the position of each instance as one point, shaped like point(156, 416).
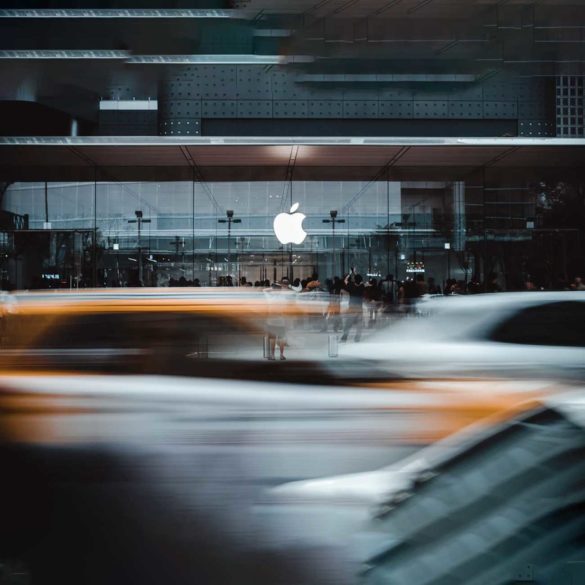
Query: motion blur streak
point(60, 410)
point(162, 466)
point(521, 335)
point(151, 437)
point(174, 464)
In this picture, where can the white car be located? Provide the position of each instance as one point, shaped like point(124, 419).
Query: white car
point(531, 333)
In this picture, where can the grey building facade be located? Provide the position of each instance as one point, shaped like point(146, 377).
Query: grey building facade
point(447, 132)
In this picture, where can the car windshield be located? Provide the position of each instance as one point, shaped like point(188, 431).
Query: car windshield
point(556, 324)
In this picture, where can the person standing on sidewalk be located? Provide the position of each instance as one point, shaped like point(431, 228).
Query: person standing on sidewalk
point(275, 323)
point(355, 313)
point(334, 308)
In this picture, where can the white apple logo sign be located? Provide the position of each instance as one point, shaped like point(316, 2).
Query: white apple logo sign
point(288, 227)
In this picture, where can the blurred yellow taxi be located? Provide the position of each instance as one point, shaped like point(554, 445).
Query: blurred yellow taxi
point(138, 331)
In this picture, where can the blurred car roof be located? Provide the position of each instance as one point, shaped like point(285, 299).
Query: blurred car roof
point(500, 300)
point(216, 300)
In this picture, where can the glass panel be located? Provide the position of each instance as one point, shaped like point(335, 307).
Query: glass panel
point(439, 230)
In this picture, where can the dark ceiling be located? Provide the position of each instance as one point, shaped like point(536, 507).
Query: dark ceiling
point(302, 159)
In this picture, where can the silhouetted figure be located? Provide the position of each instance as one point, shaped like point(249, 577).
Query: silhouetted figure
point(529, 283)
point(408, 293)
point(313, 282)
point(492, 285)
point(432, 287)
point(334, 309)
point(474, 286)
point(372, 297)
point(421, 286)
point(387, 293)
point(296, 286)
point(355, 313)
point(133, 280)
point(275, 324)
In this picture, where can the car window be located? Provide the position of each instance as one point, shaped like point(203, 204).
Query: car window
point(148, 330)
point(560, 324)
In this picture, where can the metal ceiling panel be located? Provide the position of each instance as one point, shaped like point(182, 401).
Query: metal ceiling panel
point(138, 158)
point(543, 157)
point(455, 156)
point(361, 156)
point(24, 156)
point(237, 156)
point(135, 155)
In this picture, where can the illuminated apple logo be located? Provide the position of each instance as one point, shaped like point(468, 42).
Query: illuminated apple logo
point(288, 227)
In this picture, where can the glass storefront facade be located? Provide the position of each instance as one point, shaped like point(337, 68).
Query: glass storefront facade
point(86, 234)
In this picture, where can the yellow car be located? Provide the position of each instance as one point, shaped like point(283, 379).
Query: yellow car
point(140, 331)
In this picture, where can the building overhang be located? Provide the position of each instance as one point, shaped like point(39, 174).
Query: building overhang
point(283, 158)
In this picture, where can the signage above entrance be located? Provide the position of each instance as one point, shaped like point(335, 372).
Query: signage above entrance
point(288, 227)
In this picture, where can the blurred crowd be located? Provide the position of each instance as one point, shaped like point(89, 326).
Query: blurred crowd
point(353, 303)
point(387, 291)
